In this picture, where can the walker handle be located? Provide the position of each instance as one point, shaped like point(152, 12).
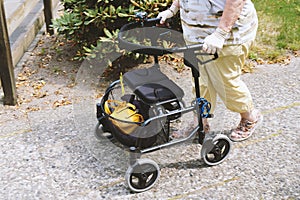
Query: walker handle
point(143, 21)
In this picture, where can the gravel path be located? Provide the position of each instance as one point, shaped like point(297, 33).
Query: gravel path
point(53, 154)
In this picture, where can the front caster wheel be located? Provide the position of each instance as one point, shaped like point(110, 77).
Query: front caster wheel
point(215, 150)
point(142, 175)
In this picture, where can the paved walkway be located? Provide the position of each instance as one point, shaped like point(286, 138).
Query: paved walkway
point(52, 154)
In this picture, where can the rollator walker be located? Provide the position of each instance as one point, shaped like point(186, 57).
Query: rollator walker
point(152, 101)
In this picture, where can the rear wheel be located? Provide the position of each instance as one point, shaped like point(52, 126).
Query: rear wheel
point(215, 150)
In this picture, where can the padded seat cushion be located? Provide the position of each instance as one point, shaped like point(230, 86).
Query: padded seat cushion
point(152, 86)
point(142, 76)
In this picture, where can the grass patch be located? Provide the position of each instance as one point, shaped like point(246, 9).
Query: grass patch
point(279, 28)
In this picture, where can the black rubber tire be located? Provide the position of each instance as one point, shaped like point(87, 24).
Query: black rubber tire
point(142, 175)
point(215, 150)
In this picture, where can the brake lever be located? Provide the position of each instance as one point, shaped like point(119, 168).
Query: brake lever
point(216, 56)
point(142, 17)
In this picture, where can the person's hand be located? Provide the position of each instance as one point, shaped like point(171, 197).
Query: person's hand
point(164, 15)
point(215, 41)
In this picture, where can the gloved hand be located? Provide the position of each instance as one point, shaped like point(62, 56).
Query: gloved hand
point(215, 41)
point(164, 15)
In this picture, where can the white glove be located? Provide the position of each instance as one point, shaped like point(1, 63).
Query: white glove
point(164, 15)
point(215, 41)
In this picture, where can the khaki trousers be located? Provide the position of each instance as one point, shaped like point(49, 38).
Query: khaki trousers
point(223, 77)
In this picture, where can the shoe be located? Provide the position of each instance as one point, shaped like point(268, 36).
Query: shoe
point(246, 128)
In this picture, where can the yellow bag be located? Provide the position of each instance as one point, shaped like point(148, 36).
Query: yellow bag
point(121, 110)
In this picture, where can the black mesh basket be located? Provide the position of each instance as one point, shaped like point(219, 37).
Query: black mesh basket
point(143, 135)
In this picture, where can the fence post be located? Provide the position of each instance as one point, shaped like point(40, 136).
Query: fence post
point(6, 67)
point(48, 15)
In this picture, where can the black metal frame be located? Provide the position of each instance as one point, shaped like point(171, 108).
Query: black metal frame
point(190, 60)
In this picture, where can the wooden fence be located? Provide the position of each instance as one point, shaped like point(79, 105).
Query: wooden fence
point(6, 67)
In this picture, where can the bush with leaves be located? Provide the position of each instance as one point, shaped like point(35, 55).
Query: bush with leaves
point(90, 23)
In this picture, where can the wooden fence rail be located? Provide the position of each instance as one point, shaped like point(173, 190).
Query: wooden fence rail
point(6, 65)
point(48, 15)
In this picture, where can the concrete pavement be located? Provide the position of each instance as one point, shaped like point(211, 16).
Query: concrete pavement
point(53, 154)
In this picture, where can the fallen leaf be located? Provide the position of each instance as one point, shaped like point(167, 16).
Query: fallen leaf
point(22, 83)
point(22, 77)
point(71, 85)
point(285, 60)
point(23, 100)
point(57, 92)
point(39, 94)
point(33, 108)
point(62, 102)
point(38, 85)
point(99, 95)
point(260, 61)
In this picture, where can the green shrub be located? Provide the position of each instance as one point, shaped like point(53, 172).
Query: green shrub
point(90, 23)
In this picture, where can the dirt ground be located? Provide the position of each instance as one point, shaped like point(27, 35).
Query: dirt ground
point(46, 75)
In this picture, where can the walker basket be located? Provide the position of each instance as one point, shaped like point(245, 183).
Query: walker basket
point(126, 131)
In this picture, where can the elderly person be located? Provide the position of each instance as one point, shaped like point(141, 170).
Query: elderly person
point(228, 27)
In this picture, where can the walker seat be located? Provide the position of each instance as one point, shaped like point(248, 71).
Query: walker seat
point(152, 86)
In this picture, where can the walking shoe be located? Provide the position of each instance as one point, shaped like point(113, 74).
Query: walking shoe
point(246, 128)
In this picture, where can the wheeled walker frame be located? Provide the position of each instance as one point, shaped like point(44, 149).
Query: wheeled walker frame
point(161, 100)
